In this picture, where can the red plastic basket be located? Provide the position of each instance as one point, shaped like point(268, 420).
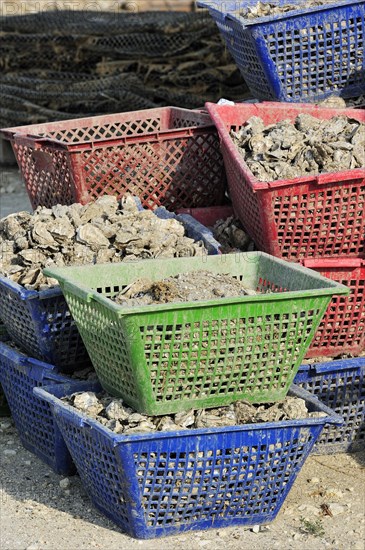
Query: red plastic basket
point(342, 329)
point(167, 157)
point(312, 216)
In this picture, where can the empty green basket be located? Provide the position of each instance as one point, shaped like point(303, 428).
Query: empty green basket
point(171, 357)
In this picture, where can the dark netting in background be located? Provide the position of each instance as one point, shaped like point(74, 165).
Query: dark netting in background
point(67, 64)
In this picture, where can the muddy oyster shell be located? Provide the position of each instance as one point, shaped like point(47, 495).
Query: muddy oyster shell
point(231, 236)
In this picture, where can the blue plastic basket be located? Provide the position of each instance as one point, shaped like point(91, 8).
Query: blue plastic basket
point(341, 386)
point(40, 322)
point(4, 407)
point(302, 55)
point(165, 483)
point(33, 417)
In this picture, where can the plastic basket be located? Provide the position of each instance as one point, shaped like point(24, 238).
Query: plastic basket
point(40, 321)
point(165, 483)
point(311, 216)
point(167, 156)
point(341, 386)
point(33, 417)
point(4, 407)
point(342, 329)
point(210, 215)
point(41, 324)
point(303, 55)
point(172, 357)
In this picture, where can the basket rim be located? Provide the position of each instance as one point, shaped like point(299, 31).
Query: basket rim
point(64, 276)
point(332, 366)
point(24, 133)
point(46, 393)
point(333, 263)
point(22, 362)
point(247, 110)
point(213, 6)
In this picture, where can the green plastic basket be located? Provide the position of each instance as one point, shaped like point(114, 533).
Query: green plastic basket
point(171, 357)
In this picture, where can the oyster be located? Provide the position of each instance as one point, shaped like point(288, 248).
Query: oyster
point(231, 236)
point(185, 287)
point(99, 232)
point(87, 402)
point(310, 146)
point(114, 415)
point(265, 9)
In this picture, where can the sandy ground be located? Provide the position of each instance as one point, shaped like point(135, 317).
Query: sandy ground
point(37, 513)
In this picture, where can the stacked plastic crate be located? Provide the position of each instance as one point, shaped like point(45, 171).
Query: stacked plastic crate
point(305, 54)
point(318, 221)
point(166, 358)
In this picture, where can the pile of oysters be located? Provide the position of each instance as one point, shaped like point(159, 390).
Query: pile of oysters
point(119, 418)
point(99, 232)
point(310, 146)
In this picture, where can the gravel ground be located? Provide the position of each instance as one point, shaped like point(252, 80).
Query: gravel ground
point(39, 513)
point(42, 511)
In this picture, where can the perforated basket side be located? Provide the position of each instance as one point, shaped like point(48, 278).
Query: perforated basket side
point(342, 329)
point(47, 174)
point(177, 356)
point(41, 324)
point(104, 127)
point(341, 386)
point(33, 417)
point(163, 483)
point(168, 157)
point(302, 55)
point(311, 216)
point(175, 172)
point(313, 55)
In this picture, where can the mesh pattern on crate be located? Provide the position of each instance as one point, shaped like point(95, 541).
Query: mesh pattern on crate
point(44, 329)
point(107, 345)
point(174, 173)
point(32, 416)
point(226, 356)
point(4, 408)
point(344, 392)
point(328, 221)
point(313, 58)
point(243, 49)
point(105, 130)
point(94, 457)
point(342, 328)
point(48, 178)
point(67, 346)
point(142, 124)
point(247, 204)
point(180, 487)
point(19, 322)
point(221, 357)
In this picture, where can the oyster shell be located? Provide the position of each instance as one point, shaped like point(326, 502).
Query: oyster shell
point(92, 236)
point(231, 236)
point(185, 287)
point(264, 9)
point(310, 146)
point(121, 419)
point(88, 403)
point(98, 232)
